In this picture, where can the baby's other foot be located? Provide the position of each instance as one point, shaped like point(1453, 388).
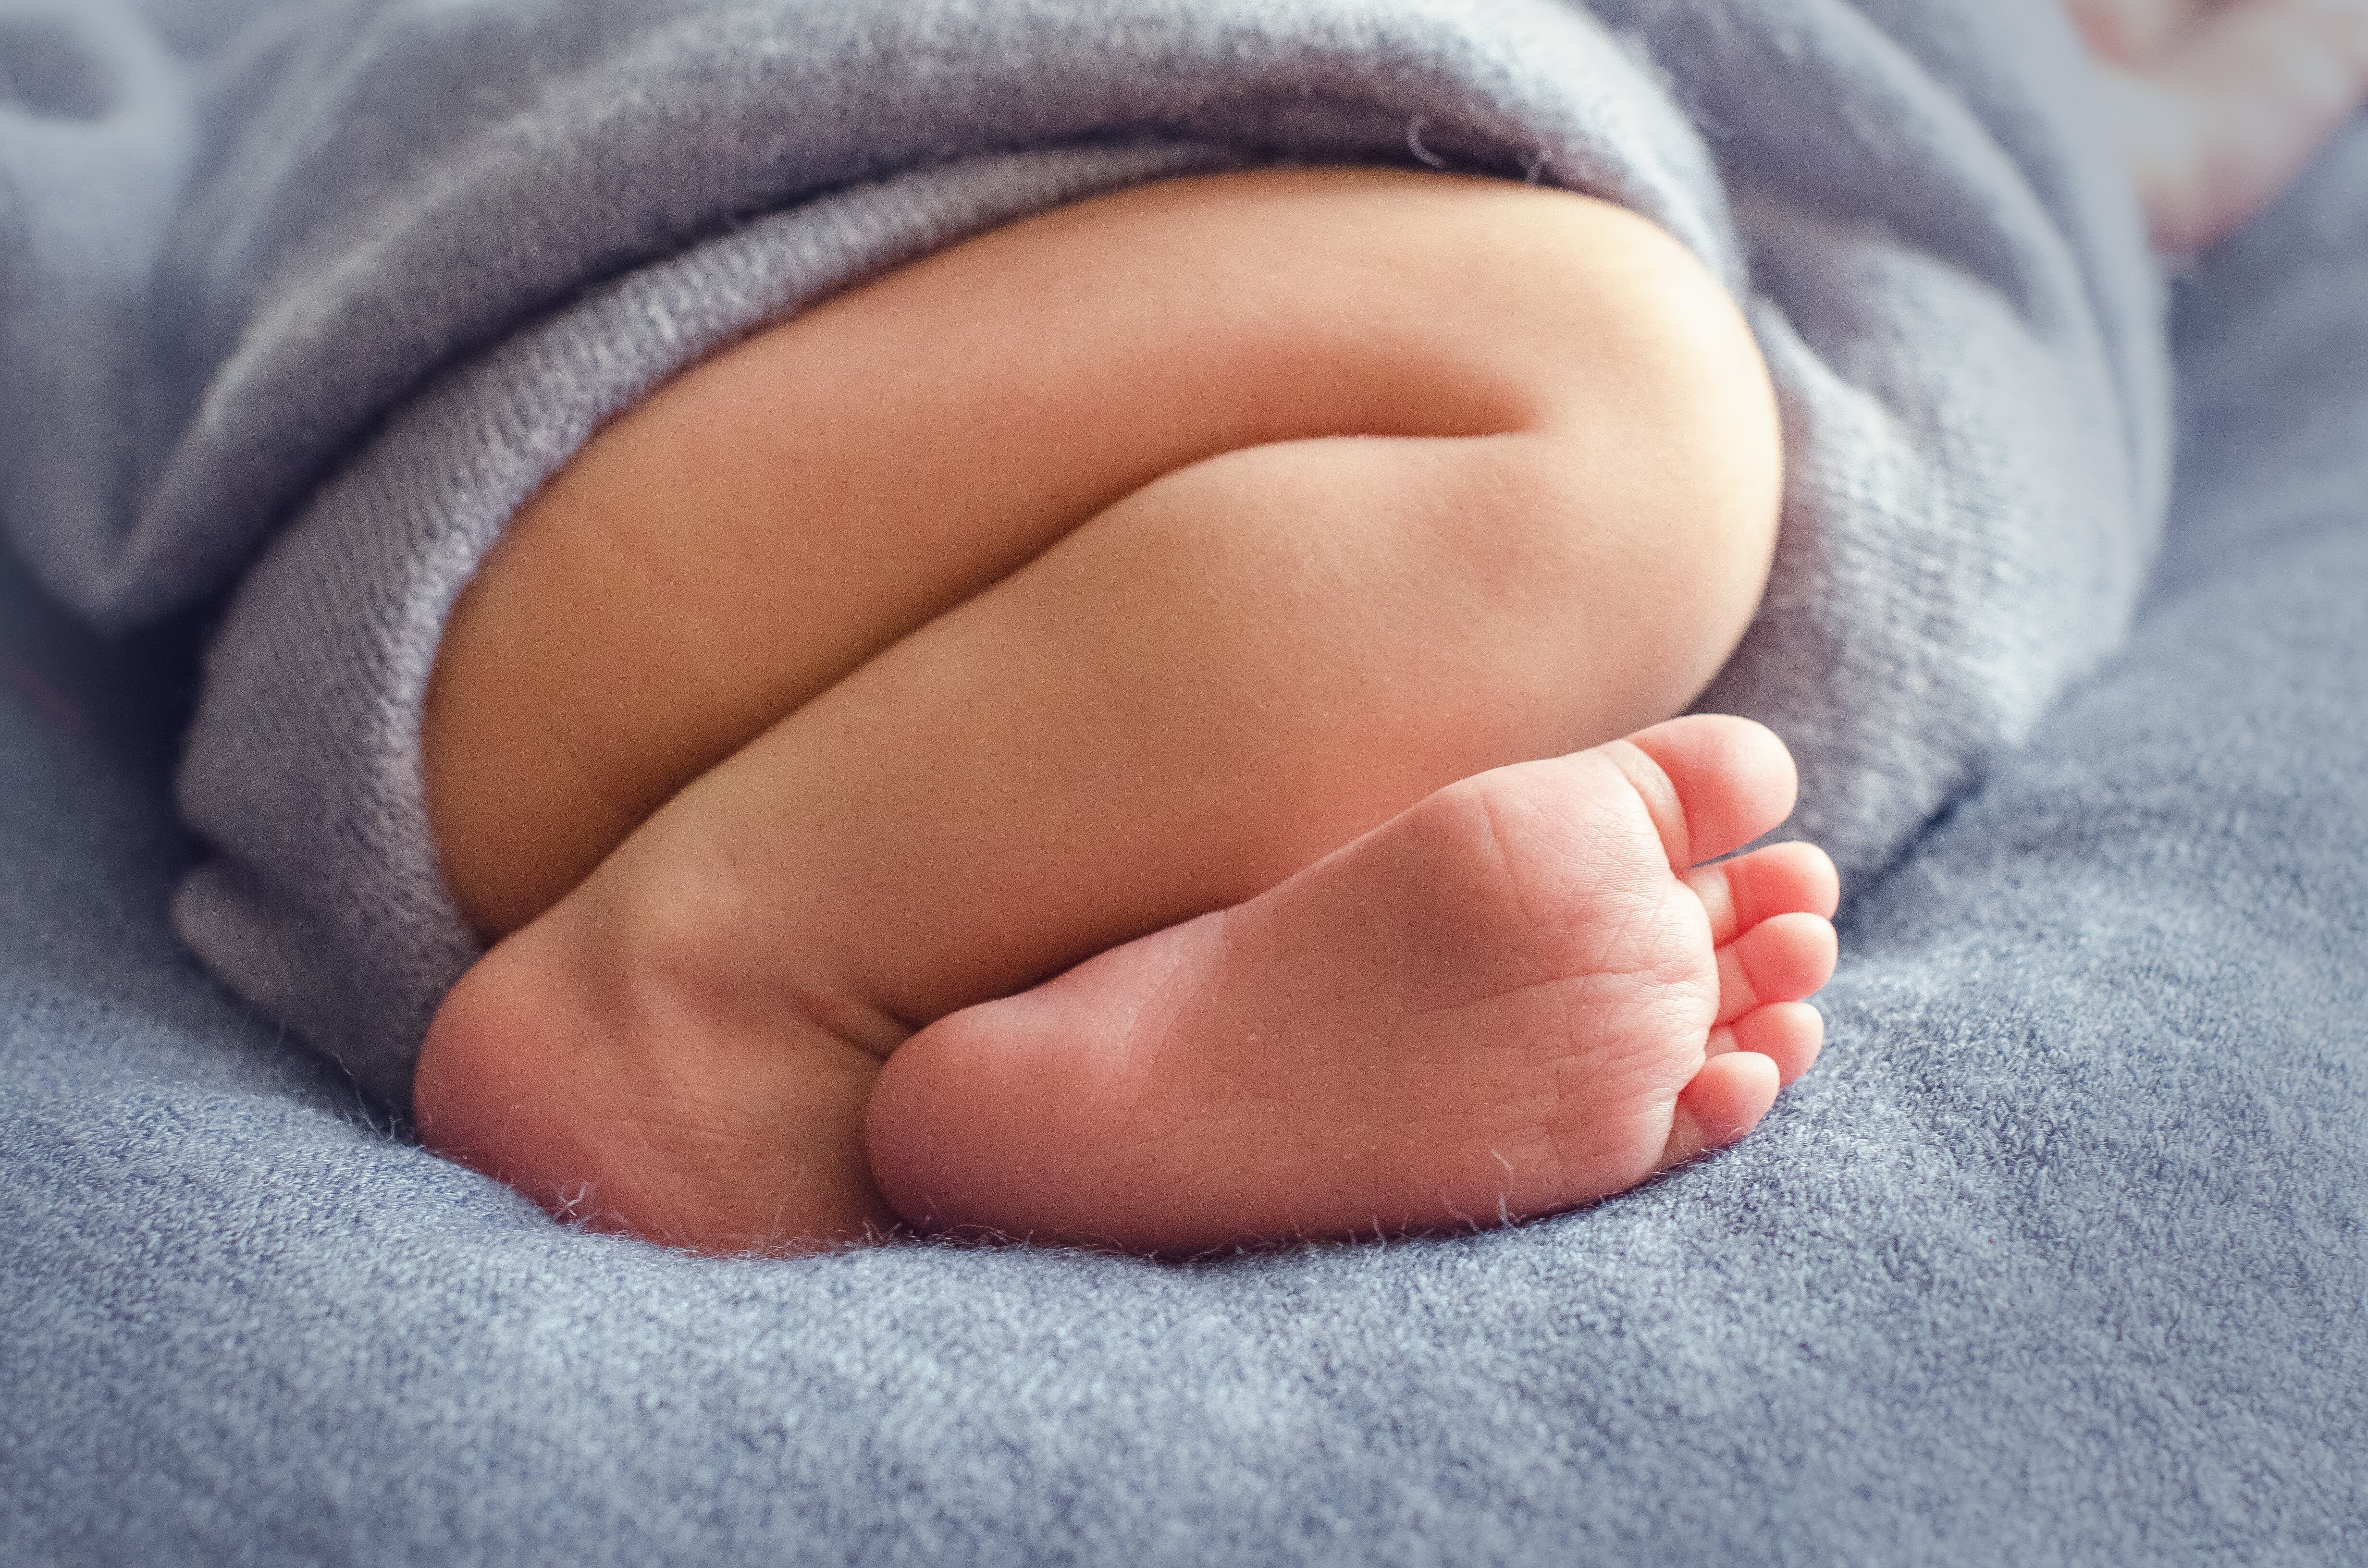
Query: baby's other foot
point(1514, 998)
point(2218, 104)
point(633, 1061)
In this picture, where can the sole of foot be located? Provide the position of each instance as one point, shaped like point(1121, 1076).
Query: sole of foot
point(1526, 994)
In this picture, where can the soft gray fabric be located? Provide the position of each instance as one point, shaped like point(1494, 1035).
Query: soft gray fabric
point(335, 288)
point(2060, 1256)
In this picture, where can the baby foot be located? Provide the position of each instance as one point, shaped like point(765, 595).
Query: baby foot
point(1514, 998)
point(1507, 1001)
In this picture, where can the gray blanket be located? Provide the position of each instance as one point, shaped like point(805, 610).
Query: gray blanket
point(318, 298)
point(2060, 1256)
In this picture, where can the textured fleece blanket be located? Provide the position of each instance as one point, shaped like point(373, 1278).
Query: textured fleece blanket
point(314, 295)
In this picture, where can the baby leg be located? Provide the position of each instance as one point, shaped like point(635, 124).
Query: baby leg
point(1414, 478)
point(757, 530)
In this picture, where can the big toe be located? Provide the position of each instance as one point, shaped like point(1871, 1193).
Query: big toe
point(1712, 783)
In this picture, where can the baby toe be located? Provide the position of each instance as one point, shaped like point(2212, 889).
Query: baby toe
point(1789, 1034)
point(1783, 878)
point(1726, 1100)
point(1711, 782)
point(1787, 958)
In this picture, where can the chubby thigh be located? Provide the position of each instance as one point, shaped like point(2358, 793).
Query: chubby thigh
point(1104, 570)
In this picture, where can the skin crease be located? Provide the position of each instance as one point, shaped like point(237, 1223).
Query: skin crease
point(1042, 669)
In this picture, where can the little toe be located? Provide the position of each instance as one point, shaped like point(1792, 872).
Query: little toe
point(1725, 1101)
point(1714, 783)
point(1783, 878)
point(1788, 958)
point(1789, 1034)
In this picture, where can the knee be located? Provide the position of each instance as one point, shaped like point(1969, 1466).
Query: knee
point(1642, 491)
